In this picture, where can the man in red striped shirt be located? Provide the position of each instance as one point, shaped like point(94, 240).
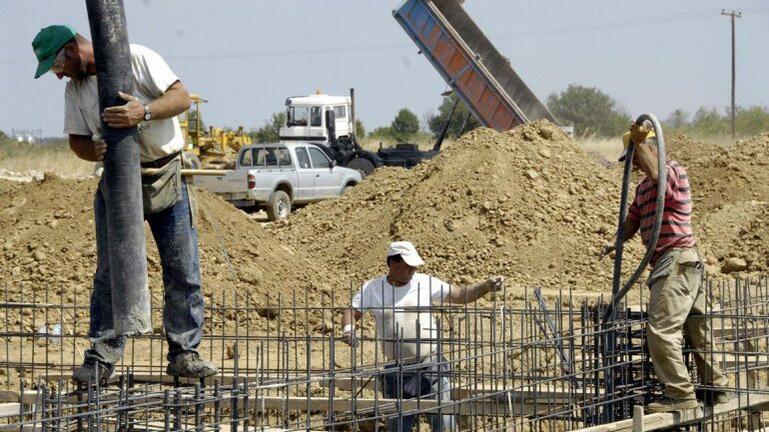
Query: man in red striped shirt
point(677, 294)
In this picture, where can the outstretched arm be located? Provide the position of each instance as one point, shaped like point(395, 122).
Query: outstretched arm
point(469, 294)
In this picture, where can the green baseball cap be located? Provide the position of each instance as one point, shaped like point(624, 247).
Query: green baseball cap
point(47, 44)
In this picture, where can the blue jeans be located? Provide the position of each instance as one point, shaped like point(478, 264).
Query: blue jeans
point(177, 242)
point(430, 381)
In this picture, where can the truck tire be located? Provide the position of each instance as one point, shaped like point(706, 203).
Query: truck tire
point(347, 189)
point(279, 206)
point(364, 166)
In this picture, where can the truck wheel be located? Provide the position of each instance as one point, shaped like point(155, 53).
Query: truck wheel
point(279, 206)
point(346, 189)
point(364, 166)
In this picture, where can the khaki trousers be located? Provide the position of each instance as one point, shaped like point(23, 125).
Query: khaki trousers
point(677, 292)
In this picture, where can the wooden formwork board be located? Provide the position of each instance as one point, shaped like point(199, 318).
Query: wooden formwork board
point(480, 406)
point(651, 422)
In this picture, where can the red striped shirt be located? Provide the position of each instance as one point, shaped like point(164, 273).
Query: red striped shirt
point(676, 230)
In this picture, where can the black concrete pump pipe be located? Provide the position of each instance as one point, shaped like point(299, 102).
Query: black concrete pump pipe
point(619, 293)
point(122, 177)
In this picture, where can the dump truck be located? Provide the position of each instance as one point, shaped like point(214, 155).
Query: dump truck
point(480, 76)
point(470, 64)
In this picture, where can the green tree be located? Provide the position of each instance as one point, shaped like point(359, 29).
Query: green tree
point(752, 120)
point(360, 131)
point(708, 121)
point(437, 122)
point(678, 119)
point(405, 125)
point(270, 132)
point(383, 133)
point(592, 111)
point(192, 117)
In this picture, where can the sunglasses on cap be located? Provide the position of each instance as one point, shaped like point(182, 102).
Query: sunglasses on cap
point(58, 64)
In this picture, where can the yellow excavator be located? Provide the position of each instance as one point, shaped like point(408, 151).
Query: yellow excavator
point(214, 147)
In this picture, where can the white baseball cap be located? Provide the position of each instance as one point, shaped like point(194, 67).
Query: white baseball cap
point(407, 251)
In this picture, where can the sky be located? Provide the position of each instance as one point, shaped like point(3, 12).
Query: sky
point(246, 57)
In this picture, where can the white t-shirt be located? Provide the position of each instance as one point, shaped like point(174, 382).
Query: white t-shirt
point(404, 311)
point(151, 76)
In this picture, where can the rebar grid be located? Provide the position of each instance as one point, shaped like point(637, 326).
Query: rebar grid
point(536, 363)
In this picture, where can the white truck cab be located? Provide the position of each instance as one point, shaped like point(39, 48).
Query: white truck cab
point(306, 118)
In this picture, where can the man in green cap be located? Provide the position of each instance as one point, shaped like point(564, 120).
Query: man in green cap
point(159, 96)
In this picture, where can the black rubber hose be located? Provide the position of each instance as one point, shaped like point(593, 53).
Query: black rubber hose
point(617, 293)
point(122, 175)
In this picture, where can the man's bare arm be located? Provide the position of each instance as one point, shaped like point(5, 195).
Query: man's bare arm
point(647, 161)
point(84, 147)
point(469, 294)
point(173, 102)
point(350, 317)
point(629, 229)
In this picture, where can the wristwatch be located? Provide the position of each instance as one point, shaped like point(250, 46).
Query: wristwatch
point(147, 113)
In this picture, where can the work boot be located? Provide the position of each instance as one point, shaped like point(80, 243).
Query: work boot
point(715, 397)
point(667, 404)
point(87, 372)
point(723, 396)
point(190, 365)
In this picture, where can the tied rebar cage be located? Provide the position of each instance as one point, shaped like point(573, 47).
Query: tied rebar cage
point(518, 361)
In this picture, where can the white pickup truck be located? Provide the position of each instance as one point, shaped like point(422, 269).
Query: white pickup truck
point(280, 176)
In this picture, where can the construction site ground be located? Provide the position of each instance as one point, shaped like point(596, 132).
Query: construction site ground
point(528, 204)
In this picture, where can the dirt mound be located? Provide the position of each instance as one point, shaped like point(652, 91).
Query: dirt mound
point(528, 204)
point(731, 192)
point(690, 151)
point(49, 241)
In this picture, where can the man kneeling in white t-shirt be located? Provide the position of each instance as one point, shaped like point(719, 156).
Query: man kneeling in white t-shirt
point(401, 302)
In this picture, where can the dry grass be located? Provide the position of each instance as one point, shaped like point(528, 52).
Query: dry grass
point(607, 148)
point(54, 157)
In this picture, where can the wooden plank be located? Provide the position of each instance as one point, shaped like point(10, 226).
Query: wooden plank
point(162, 378)
point(477, 406)
point(9, 409)
point(160, 426)
point(748, 330)
point(364, 406)
point(37, 427)
point(758, 402)
point(529, 394)
point(9, 396)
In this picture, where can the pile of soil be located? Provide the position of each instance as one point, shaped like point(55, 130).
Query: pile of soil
point(50, 245)
point(731, 195)
point(690, 151)
point(528, 204)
